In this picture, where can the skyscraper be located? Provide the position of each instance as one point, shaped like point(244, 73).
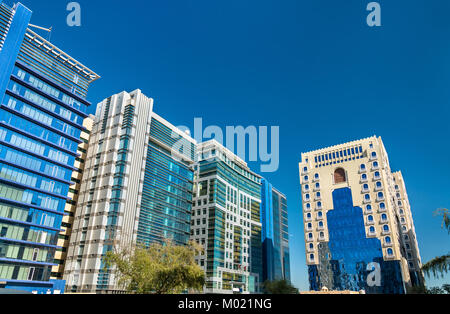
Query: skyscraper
point(42, 93)
point(137, 187)
point(226, 220)
point(358, 225)
point(71, 204)
point(275, 234)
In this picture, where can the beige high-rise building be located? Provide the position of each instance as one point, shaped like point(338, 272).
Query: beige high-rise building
point(71, 205)
point(359, 232)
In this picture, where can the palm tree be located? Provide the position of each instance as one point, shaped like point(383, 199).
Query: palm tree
point(438, 266)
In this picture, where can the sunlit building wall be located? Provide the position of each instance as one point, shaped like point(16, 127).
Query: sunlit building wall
point(353, 220)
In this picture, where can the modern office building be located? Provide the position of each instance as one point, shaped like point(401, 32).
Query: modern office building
point(358, 225)
point(275, 234)
point(42, 94)
point(226, 220)
point(71, 204)
point(137, 187)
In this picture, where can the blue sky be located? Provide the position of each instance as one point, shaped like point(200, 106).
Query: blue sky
point(314, 68)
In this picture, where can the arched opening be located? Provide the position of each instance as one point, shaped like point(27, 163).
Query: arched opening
point(339, 176)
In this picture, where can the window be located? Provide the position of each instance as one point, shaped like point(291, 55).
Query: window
point(366, 187)
point(362, 167)
point(308, 206)
point(383, 217)
point(320, 224)
point(390, 252)
point(316, 176)
point(339, 176)
point(311, 257)
point(306, 187)
point(382, 206)
point(374, 154)
point(375, 164)
point(387, 240)
point(309, 226)
point(372, 229)
point(385, 228)
point(319, 214)
point(370, 218)
point(369, 208)
point(364, 177)
point(367, 197)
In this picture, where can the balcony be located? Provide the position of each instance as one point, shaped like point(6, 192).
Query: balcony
point(370, 222)
point(316, 179)
point(365, 190)
point(362, 170)
point(387, 244)
point(363, 180)
point(371, 233)
point(373, 157)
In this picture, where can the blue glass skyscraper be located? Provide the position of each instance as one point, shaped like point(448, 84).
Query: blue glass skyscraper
point(275, 236)
point(42, 93)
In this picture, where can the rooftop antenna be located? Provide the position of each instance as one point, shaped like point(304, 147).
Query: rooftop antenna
point(48, 30)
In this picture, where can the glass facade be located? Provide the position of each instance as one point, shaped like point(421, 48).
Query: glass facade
point(275, 236)
point(166, 198)
point(40, 125)
point(349, 257)
point(226, 220)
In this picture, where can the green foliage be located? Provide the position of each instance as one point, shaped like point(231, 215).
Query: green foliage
point(437, 290)
point(159, 269)
point(439, 265)
point(279, 287)
point(445, 213)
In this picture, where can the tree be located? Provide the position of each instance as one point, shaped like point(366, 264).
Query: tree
point(446, 287)
point(162, 268)
point(435, 290)
point(439, 265)
point(279, 287)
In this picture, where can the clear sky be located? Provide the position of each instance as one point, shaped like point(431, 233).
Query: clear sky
point(313, 68)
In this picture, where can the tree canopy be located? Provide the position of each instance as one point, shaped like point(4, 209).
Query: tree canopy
point(279, 287)
point(438, 266)
point(161, 268)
